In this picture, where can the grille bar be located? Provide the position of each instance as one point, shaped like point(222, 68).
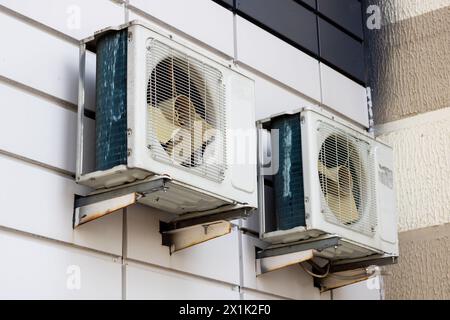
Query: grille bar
point(346, 176)
point(186, 121)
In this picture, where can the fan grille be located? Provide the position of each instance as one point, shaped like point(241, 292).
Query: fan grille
point(346, 175)
point(185, 111)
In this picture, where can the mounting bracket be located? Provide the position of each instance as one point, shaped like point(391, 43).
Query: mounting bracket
point(279, 256)
point(340, 273)
point(101, 203)
point(349, 272)
point(184, 232)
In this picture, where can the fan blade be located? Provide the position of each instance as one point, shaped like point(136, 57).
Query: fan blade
point(171, 116)
point(329, 173)
point(179, 110)
point(166, 129)
point(344, 208)
point(193, 139)
point(339, 196)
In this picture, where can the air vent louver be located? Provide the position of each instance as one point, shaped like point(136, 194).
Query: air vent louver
point(345, 171)
point(185, 112)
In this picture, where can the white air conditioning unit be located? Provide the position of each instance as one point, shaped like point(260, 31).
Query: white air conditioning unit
point(167, 108)
point(322, 177)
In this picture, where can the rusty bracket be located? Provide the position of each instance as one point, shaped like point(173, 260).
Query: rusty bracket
point(378, 260)
point(318, 244)
point(280, 256)
point(268, 264)
point(178, 239)
point(99, 204)
point(352, 271)
point(183, 233)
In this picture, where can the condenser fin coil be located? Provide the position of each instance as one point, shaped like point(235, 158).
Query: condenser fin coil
point(288, 181)
point(111, 100)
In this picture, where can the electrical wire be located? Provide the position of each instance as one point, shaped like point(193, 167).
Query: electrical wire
point(314, 274)
point(365, 274)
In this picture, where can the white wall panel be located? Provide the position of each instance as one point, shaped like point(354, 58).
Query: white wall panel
point(255, 295)
point(145, 282)
point(217, 259)
point(33, 268)
point(325, 295)
point(36, 128)
point(422, 168)
point(277, 59)
point(42, 61)
point(273, 99)
point(344, 95)
point(38, 201)
point(364, 290)
point(76, 18)
point(290, 282)
point(202, 19)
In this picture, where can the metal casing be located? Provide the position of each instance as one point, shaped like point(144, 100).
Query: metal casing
point(189, 192)
point(376, 231)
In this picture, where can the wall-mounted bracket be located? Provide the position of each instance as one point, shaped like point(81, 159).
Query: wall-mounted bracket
point(181, 238)
point(377, 260)
point(279, 256)
point(183, 232)
point(318, 244)
point(346, 273)
point(99, 204)
point(352, 271)
point(268, 264)
point(337, 274)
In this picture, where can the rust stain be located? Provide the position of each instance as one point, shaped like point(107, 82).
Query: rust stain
point(99, 214)
point(202, 239)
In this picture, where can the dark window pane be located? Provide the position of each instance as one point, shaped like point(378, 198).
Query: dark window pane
point(346, 13)
point(285, 17)
point(226, 3)
point(311, 3)
point(341, 50)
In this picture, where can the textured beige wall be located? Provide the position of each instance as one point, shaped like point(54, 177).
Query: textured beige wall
point(409, 72)
point(422, 168)
point(423, 271)
point(397, 10)
point(409, 65)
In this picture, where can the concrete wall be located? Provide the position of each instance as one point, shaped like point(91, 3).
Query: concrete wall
point(120, 256)
point(410, 74)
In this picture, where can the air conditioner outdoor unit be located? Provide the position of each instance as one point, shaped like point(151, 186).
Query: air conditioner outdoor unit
point(321, 177)
point(169, 109)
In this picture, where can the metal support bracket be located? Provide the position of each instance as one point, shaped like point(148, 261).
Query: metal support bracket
point(276, 257)
point(183, 233)
point(268, 264)
point(181, 238)
point(318, 244)
point(99, 204)
point(379, 260)
point(350, 272)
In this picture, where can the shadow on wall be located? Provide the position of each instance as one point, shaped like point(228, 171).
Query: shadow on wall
point(409, 73)
point(407, 62)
